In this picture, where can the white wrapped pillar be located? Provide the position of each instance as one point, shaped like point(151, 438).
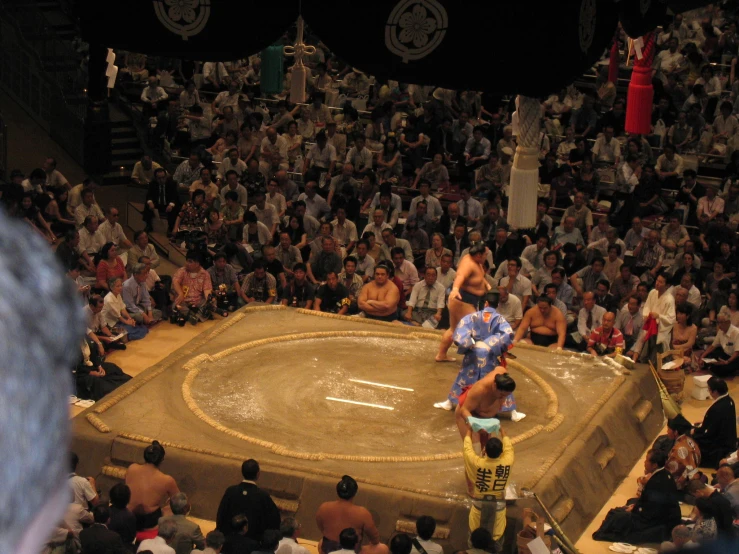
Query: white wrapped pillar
point(524, 185)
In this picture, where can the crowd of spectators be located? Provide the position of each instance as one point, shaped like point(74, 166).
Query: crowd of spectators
point(322, 208)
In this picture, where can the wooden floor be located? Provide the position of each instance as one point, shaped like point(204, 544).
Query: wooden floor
point(28, 145)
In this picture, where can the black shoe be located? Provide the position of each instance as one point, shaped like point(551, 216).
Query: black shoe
point(117, 346)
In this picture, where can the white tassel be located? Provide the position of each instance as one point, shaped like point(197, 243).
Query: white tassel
point(524, 186)
point(297, 85)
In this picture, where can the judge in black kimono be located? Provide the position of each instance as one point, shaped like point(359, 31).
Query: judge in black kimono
point(716, 436)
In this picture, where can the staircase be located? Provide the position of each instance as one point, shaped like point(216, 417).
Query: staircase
point(125, 148)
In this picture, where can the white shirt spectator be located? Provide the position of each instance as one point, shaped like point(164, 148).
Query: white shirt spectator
point(240, 190)
point(316, 207)
point(56, 179)
point(407, 273)
point(91, 243)
point(694, 295)
point(395, 202)
point(112, 232)
point(429, 546)
point(728, 341)
point(377, 231)
point(267, 216)
point(359, 159)
point(225, 99)
point(279, 147)
point(112, 306)
point(226, 166)
point(185, 174)
point(82, 211)
point(421, 291)
point(345, 233)
point(263, 234)
point(582, 321)
point(521, 287)
point(433, 206)
point(710, 207)
point(366, 266)
point(153, 94)
point(606, 151)
point(188, 100)
point(321, 158)
point(446, 279)
point(157, 545)
point(511, 309)
point(278, 201)
point(82, 490)
point(214, 69)
point(288, 545)
point(471, 209)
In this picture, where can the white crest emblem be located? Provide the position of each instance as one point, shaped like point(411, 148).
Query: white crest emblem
point(186, 18)
point(587, 24)
point(415, 28)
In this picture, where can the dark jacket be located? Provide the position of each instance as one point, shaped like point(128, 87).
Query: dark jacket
point(716, 436)
point(445, 222)
point(98, 539)
point(257, 505)
point(658, 503)
point(170, 194)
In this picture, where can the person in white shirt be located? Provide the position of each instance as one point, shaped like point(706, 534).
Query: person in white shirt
point(509, 306)
point(660, 307)
point(112, 230)
point(669, 61)
point(276, 198)
point(710, 204)
point(190, 96)
point(265, 212)
point(228, 97)
point(87, 208)
point(83, 489)
point(54, 178)
point(153, 97)
point(91, 239)
point(445, 273)
point(360, 157)
point(469, 208)
point(344, 230)
point(725, 347)
point(214, 76)
point(607, 149)
point(694, 295)
point(161, 543)
point(232, 161)
point(425, 527)
point(589, 318)
point(315, 205)
point(321, 156)
point(274, 150)
point(517, 284)
point(433, 206)
point(290, 531)
point(427, 300)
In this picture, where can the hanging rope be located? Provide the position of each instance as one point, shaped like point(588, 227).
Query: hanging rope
point(524, 185)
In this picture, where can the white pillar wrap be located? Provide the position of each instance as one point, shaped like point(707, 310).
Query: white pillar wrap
point(523, 189)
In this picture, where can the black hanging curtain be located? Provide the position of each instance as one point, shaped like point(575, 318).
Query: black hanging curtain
point(525, 46)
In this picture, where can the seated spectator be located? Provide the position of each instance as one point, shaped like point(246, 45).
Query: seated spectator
point(567, 233)
point(91, 240)
point(340, 181)
point(629, 321)
point(206, 184)
point(426, 301)
point(509, 307)
point(389, 162)
point(716, 436)
point(322, 261)
point(716, 505)
point(613, 263)
point(143, 170)
point(332, 296)
point(315, 205)
point(711, 237)
point(266, 213)
point(404, 269)
point(605, 339)
point(299, 292)
point(684, 332)
point(273, 150)
point(380, 298)
point(162, 543)
point(322, 156)
point(142, 247)
point(425, 527)
point(122, 520)
point(710, 205)
point(694, 295)
point(352, 281)
point(110, 266)
point(163, 197)
point(188, 171)
point(98, 538)
point(188, 534)
point(543, 326)
point(136, 297)
point(154, 97)
point(651, 516)
point(94, 378)
point(71, 255)
point(586, 279)
point(191, 284)
point(83, 488)
point(290, 531)
point(516, 283)
point(255, 234)
point(365, 262)
point(193, 214)
point(112, 230)
point(115, 314)
point(649, 255)
point(725, 347)
point(259, 286)
point(469, 208)
point(390, 242)
point(589, 318)
point(236, 540)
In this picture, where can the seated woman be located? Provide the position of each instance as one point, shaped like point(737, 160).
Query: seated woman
point(28, 211)
point(684, 333)
point(115, 314)
point(649, 518)
point(96, 378)
point(56, 212)
point(705, 529)
point(193, 213)
point(216, 231)
point(109, 267)
point(223, 145)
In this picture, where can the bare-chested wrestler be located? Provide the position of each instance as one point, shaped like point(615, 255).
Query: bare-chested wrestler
point(484, 400)
point(379, 298)
point(335, 516)
point(150, 488)
point(467, 296)
point(544, 325)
